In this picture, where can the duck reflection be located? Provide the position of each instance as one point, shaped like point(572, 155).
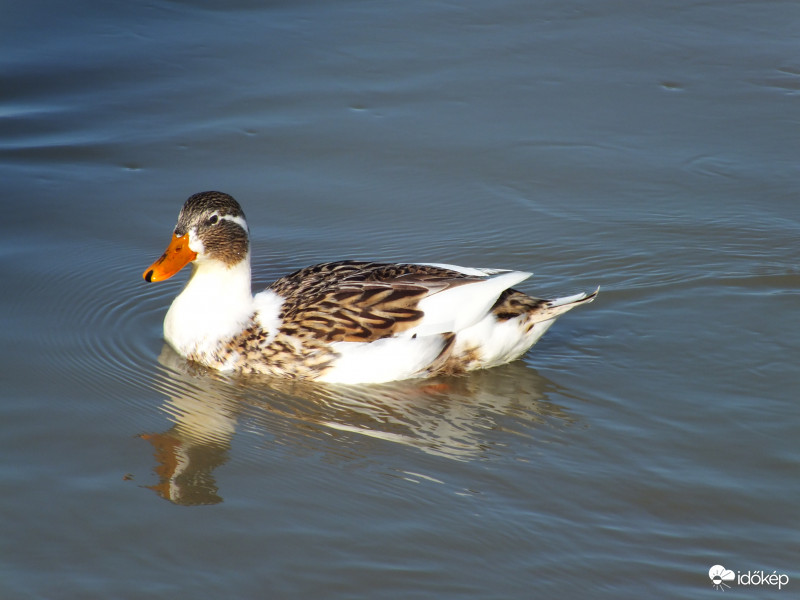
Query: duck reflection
point(204, 421)
point(461, 418)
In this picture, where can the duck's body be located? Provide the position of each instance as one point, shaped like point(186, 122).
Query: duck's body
point(345, 322)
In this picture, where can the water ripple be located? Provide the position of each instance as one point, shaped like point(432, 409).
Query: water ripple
point(96, 330)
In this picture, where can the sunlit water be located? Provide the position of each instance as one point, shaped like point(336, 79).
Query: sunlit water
point(651, 150)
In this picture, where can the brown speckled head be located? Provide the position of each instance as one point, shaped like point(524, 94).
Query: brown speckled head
point(217, 221)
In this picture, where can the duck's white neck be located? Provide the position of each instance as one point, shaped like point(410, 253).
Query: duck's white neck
point(216, 303)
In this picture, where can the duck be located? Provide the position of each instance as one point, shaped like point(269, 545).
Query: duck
point(344, 322)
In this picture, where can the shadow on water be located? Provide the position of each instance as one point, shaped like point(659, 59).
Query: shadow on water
point(459, 418)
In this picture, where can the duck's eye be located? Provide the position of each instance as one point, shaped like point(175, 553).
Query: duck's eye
point(212, 219)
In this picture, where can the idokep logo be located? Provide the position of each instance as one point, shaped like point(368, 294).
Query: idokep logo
point(720, 576)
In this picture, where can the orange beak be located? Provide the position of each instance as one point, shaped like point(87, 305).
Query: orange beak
point(175, 257)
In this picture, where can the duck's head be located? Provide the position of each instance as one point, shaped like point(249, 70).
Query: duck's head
point(211, 227)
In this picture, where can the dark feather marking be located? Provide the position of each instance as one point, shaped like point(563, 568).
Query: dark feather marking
point(364, 301)
point(512, 303)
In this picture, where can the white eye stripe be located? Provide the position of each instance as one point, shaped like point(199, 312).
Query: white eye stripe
point(238, 220)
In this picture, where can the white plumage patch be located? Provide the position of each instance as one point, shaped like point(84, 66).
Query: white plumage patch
point(387, 359)
point(214, 306)
point(267, 305)
point(498, 342)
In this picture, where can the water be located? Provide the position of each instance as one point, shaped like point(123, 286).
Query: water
point(648, 149)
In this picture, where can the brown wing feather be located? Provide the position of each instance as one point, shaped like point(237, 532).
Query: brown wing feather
point(359, 301)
